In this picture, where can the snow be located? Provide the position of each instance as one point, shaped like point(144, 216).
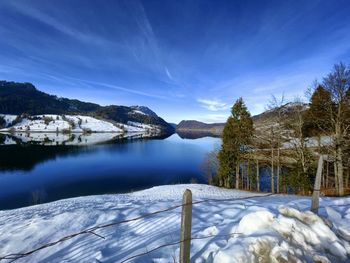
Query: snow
point(50, 129)
point(276, 228)
point(8, 118)
point(74, 124)
point(52, 139)
point(93, 124)
point(139, 112)
point(142, 126)
point(78, 139)
point(311, 142)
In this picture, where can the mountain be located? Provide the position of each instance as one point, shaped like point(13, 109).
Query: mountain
point(264, 120)
point(197, 126)
point(261, 121)
point(18, 98)
point(144, 110)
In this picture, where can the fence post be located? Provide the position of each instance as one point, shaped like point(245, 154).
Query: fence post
point(186, 225)
point(316, 192)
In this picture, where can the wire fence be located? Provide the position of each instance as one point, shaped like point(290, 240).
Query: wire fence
point(92, 230)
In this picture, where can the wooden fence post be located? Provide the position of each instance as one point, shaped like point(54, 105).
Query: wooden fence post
point(257, 176)
point(316, 193)
point(186, 225)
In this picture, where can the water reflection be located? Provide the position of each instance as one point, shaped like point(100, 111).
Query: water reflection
point(197, 134)
point(32, 172)
point(20, 152)
point(80, 139)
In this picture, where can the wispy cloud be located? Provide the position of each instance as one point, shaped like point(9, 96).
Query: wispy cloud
point(213, 105)
point(214, 118)
point(128, 90)
point(60, 26)
point(168, 73)
point(136, 51)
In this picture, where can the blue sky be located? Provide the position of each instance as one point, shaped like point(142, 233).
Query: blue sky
point(183, 59)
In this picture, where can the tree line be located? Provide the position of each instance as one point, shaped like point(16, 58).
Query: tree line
point(289, 145)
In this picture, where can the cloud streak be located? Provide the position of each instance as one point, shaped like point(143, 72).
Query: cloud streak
point(213, 105)
point(201, 57)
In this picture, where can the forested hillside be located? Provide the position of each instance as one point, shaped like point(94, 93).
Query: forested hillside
point(25, 98)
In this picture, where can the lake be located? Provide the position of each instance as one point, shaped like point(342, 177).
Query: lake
point(35, 173)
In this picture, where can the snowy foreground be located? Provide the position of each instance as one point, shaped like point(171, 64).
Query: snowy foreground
point(275, 228)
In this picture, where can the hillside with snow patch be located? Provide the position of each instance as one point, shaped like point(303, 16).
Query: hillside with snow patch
point(54, 129)
point(25, 98)
point(70, 123)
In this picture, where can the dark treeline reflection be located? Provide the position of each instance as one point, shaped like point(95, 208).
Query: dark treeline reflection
point(196, 134)
point(25, 155)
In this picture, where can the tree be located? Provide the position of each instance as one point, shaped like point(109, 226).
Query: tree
point(337, 83)
point(276, 137)
point(318, 116)
point(2, 122)
point(210, 165)
point(318, 122)
point(236, 137)
point(303, 166)
point(227, 155)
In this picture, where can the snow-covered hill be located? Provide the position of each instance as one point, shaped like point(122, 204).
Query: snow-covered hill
point(71, 124)
point(275, 228)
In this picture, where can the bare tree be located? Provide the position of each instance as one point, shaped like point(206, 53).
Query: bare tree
point(209, 166)
point(298, 143)
point(277, 104)
point(337, 83)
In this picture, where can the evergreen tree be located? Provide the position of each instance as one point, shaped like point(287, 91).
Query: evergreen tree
point(236, 136)
point(2, 122)
point(318, 116)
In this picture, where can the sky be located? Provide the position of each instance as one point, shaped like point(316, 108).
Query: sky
point(183, 59)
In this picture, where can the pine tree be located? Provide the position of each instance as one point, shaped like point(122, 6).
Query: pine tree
point(236, 136)
point(318, 116)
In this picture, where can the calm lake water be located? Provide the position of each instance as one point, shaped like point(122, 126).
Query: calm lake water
point(31, 174)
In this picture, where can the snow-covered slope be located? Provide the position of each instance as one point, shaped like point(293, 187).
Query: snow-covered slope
point(8, 118)
point(143, 110)
point(260, 229)
point(70, 123)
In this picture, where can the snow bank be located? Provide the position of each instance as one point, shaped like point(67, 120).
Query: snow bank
point(275, 228)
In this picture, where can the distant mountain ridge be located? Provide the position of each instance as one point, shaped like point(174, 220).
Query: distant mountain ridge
point(261, 121)
point(268, 117)
point(19, 98)
point(193, 125)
